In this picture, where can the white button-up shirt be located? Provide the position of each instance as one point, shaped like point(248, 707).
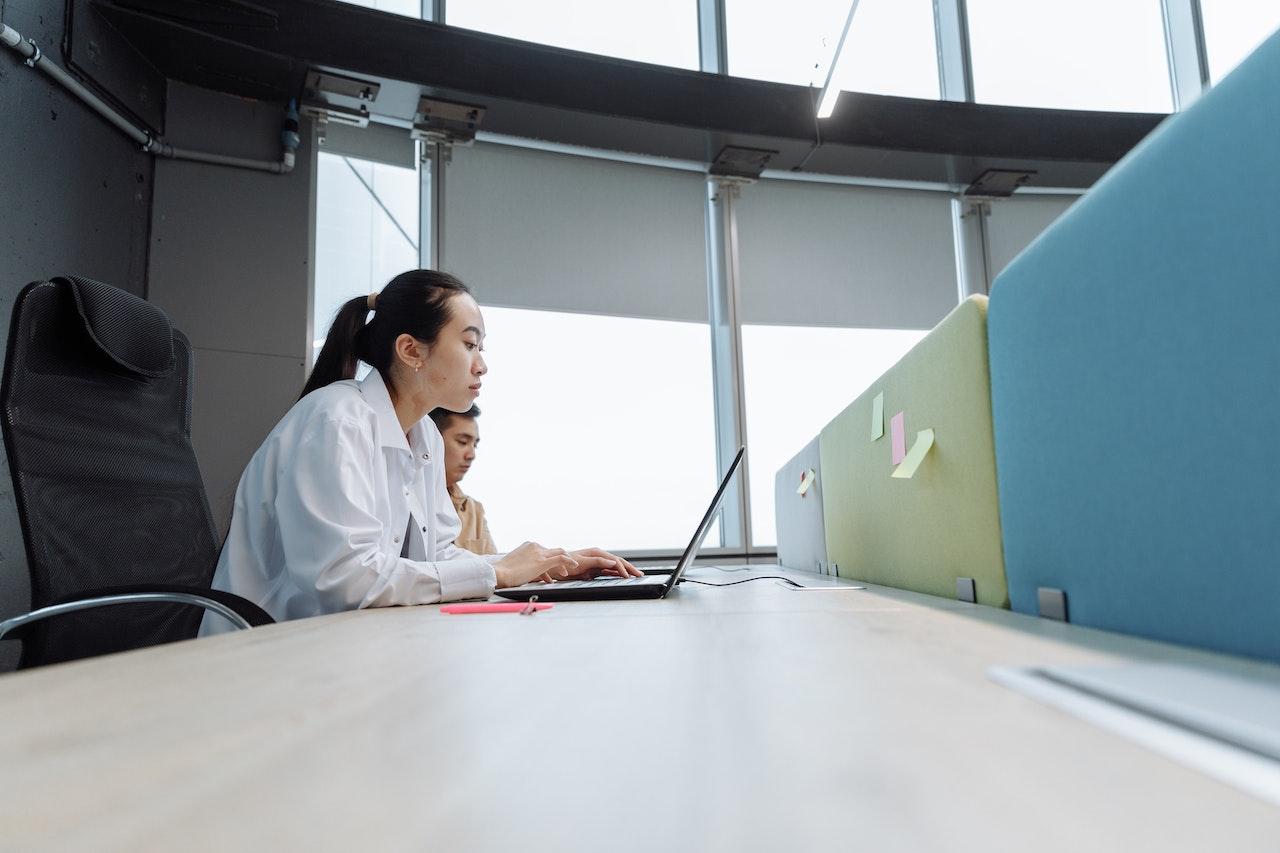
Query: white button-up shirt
point(324, 506)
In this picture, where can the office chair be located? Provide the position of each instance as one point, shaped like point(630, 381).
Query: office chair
point(121, 545)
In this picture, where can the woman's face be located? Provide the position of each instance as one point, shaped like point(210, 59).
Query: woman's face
point(454, 364)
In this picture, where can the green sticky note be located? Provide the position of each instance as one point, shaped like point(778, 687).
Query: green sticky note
point(916, 455)
point(877, 417)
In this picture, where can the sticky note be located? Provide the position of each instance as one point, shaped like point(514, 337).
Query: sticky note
point(491, 607)
point(919, 450)
point(806, 480)
point(877, 417)
point(898, 433)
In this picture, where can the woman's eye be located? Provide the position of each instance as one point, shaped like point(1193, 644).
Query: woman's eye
point(470, 346)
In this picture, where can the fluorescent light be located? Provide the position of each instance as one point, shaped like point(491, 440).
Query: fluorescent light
point(831, 93)
point(827, 105)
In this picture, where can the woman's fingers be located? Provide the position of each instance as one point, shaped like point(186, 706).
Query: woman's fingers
point(624, 568)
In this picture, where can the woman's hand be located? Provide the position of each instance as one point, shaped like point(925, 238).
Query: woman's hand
point(593, 562)
point(531, 561)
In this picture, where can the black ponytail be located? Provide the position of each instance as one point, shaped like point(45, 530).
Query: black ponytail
point(414, 303)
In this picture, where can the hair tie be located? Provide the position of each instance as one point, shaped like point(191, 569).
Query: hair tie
point(372, 301)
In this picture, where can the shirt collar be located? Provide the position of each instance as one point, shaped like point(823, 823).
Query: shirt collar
point(391, 436)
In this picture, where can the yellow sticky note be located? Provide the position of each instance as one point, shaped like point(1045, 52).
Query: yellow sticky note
point(877, 417)
point(916, 455)
point(806, 480)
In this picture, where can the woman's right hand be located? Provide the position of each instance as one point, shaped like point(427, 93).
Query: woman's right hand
point(531, 561)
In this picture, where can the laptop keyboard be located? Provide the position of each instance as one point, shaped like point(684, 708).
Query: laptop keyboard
point(604, 582)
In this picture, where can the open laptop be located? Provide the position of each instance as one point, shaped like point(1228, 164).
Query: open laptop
point(649, 586)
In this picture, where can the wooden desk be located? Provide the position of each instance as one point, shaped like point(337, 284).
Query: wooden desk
point(744, 718)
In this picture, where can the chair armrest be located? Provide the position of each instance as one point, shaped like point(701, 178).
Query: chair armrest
point(239, 611)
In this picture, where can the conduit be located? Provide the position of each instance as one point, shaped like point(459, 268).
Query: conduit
point(34, 58)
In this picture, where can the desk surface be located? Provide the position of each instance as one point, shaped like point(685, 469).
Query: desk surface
point(742, 718)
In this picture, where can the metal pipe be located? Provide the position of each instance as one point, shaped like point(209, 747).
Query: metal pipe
point(129, 598)
point(33, 57)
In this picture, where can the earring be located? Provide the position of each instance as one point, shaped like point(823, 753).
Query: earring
point(417, 367)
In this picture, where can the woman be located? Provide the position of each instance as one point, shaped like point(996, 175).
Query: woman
point(344, 505)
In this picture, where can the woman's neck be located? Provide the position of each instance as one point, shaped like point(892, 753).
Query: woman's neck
point(410, 408)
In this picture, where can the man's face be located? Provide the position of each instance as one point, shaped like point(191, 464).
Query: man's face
point(461, 438)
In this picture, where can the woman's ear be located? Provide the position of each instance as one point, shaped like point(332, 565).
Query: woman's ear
point(410, 352)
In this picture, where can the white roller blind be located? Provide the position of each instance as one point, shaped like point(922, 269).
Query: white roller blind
point(859, 257)
point(1018, 220)
point(535, 229)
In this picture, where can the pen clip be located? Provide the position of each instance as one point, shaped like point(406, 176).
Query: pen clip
point(529, 609)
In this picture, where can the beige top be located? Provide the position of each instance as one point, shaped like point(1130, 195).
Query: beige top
point(474, 535)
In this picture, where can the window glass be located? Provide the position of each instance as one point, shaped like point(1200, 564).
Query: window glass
point(664, 32)
point(1083, 55)
point(595, 430)
point(366, 232)
point(796, 380)
point(1234, 28)
point(891, 48)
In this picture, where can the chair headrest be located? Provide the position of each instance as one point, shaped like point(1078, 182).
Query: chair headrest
point(130, 331)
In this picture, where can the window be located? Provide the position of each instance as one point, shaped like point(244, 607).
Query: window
point(837, 283)
point(598, 414)
point(366, 232)
point(1234, 28)
point(797, 379)
point(664, 32)
point(594, 430)
point(1083, 55)
point(891, 48)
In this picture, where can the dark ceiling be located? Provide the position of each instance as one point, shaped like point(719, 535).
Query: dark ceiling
point(263, 49)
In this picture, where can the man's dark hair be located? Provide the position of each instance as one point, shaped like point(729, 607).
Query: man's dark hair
point(444, 418)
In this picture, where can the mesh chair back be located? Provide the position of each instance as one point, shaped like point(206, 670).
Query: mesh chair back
point(97, 426)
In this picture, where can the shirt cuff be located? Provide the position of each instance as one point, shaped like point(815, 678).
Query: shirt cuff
point(473, 577)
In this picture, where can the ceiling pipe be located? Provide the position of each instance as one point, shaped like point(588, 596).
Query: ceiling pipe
point(34, 58)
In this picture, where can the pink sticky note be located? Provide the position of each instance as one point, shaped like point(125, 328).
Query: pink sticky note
point(898, 432)
point(491, 607)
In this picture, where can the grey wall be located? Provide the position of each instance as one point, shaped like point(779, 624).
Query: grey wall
point(75, 197)
point(230, 265)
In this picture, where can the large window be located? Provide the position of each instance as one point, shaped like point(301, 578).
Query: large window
point(1083, 55)
point(891, 48)
point(831, 277)
point(1234, 28)
point(366, 232)
point(664, 32)
point(797, 379)
point(594, 430)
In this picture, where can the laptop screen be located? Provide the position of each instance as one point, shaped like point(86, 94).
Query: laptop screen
point(703, 526)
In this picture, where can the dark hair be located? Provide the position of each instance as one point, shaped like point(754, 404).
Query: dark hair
point(443, 418)
point(413, 303)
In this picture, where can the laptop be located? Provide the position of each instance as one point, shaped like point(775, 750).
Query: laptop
point(649, 586)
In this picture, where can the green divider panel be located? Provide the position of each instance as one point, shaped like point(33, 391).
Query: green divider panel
point(942, 523)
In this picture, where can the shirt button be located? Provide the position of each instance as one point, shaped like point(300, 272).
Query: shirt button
point(396, 540)
point(424, 530)
point(426, 456)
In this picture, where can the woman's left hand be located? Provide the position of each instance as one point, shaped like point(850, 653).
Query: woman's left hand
point(593, 562)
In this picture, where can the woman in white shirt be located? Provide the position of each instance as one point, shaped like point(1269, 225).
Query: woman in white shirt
point(344, 505)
